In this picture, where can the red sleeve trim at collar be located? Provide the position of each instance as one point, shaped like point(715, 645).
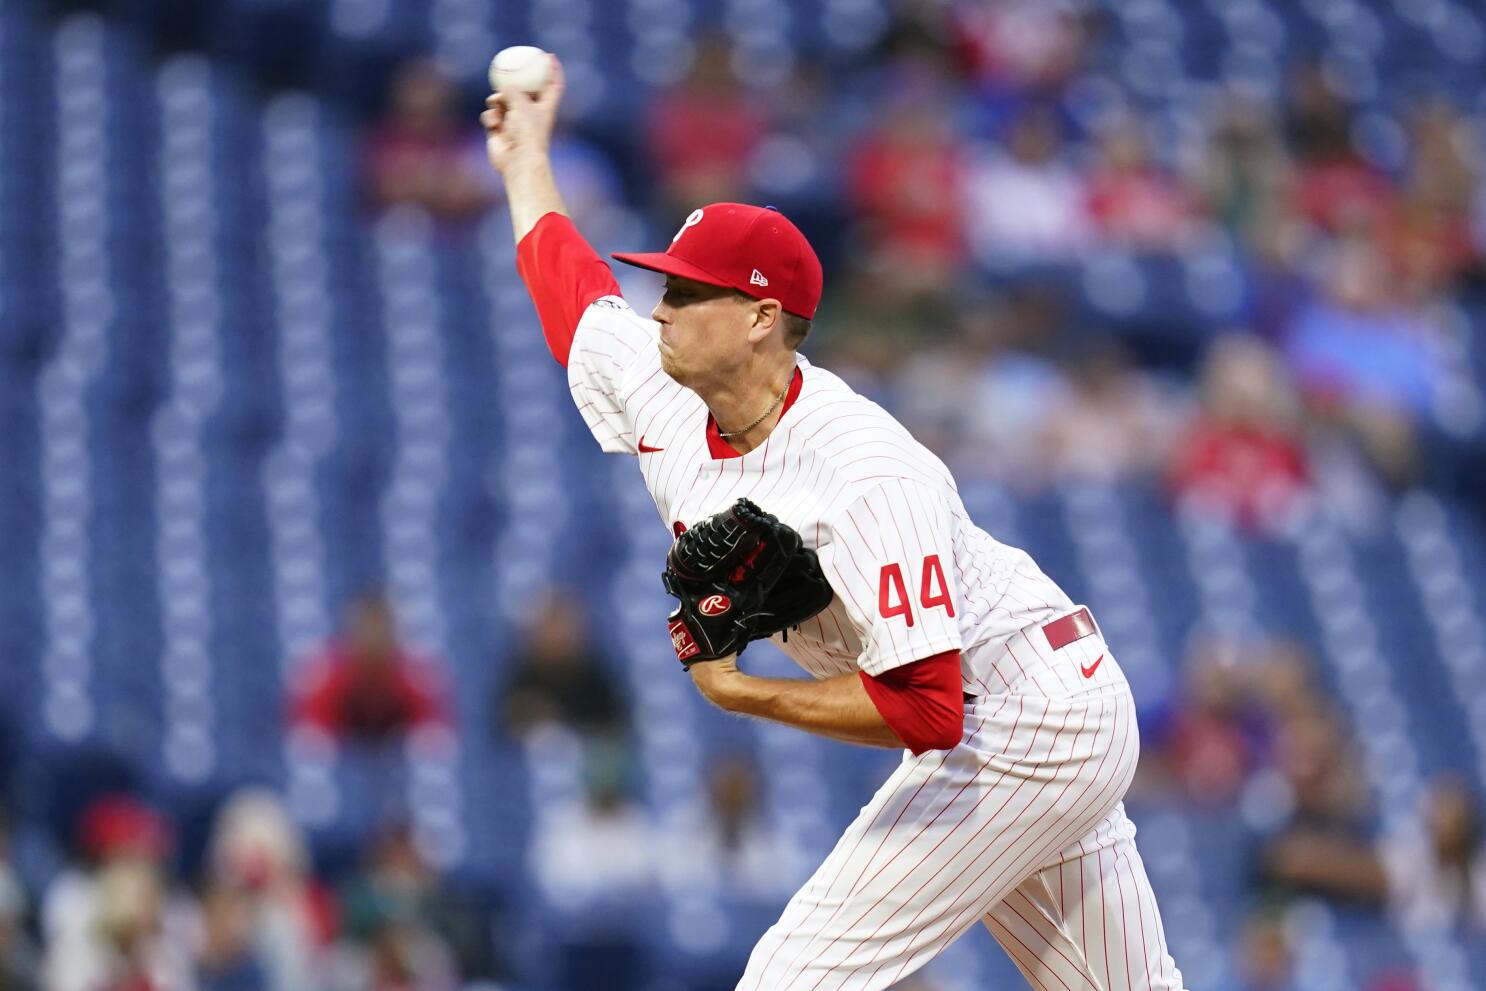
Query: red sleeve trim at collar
point(720, 448)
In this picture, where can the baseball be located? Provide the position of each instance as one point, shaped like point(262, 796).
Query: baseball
point(520, 67)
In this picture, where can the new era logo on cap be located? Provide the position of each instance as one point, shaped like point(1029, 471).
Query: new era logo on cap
point(730, 244)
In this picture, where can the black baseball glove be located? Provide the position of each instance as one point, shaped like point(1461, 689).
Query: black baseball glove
point(739, 576)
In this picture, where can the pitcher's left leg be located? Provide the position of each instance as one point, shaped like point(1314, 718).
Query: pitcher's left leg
point(1089, 922)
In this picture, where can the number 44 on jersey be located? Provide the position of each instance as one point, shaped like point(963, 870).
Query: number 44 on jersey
point(892, 593)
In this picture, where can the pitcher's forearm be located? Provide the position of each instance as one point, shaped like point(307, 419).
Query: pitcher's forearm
point(837, 707)
point(532, 192)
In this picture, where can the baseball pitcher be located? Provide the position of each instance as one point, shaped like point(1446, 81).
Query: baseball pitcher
point(806, 514)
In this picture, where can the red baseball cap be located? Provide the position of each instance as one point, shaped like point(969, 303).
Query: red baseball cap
point(753, 249)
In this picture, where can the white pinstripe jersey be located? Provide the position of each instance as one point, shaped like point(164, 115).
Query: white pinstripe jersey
point(913, 575)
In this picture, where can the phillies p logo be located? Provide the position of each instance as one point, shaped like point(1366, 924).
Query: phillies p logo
point(691, 221)
point(714, 605)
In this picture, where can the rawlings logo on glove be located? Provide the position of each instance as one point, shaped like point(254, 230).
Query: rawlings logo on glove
point(739, 576)
point(715, 605)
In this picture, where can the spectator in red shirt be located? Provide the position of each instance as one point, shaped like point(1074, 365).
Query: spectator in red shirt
point(1335, 188)
point(1243, 457)
point(704, 132)
point(1131, 200)
point(423, 154)
point(1214, 732)
point(365, 685)
point(904, 180)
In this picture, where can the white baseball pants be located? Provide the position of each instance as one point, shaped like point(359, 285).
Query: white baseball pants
point(1021, 827)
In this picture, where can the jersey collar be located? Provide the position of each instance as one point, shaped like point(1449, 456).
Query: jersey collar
point(719, 448)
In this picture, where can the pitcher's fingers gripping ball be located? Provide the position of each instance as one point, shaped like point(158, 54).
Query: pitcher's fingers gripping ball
point(740, 575)
point(521, 113)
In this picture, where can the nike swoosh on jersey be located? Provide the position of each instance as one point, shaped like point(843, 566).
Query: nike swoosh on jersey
point(1088, 672)
point(647, 449)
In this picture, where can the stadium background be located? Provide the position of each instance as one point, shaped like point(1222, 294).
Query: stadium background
point(1188, 292)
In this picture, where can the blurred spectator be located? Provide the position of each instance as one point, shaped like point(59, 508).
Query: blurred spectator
point(1024, 201)
point(1118, 423)
point(1131, 200)
point(558, 678)
point(904, 178)
point(402, 919)
point(1206, 742)
point(119, 934)
point(1217, 732)
point(265, 903)
point(1429, 247)
point(365, 686)
point(1323, 849)
point(1429, 241)
point(734, 852)
point(1443, 165)
point(1335, 188)
point(1014, 48)
point(391, 944)
point(1264, 958)
point(104, 921)
point(596, 867)
point(1244, 170)
point(423, 153)
point(1243, 456)
point(702, 133)
point(1365, 360)
point(1437, 876)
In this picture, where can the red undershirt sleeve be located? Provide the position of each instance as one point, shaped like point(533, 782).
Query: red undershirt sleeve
point(564, 276)
point(923, 702)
